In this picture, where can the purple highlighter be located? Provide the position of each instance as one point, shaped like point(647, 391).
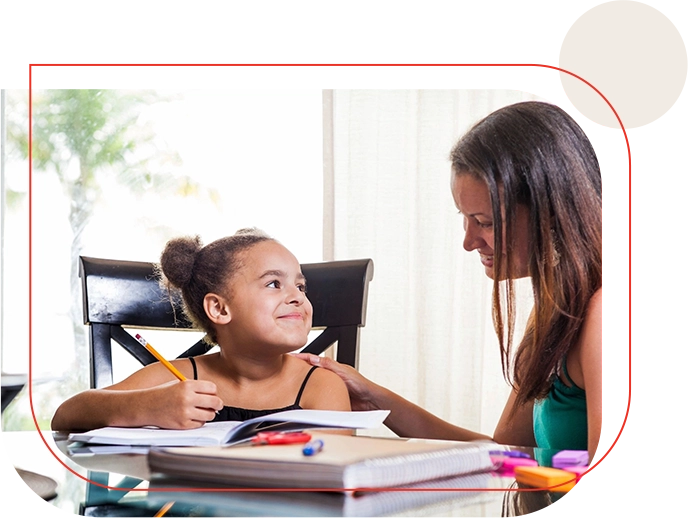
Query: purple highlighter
point(567, 458)
point(514, 454)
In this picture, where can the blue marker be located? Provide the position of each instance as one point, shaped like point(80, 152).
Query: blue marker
point(313, 447)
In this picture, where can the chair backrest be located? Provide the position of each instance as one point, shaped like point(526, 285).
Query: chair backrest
point(119, 294)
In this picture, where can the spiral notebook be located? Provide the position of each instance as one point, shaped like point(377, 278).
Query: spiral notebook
point(345, 463)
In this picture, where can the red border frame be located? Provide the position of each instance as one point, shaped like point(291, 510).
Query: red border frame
point(614, 150)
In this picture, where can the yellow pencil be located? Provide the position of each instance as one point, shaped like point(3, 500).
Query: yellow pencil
point(162, 360)
point(163, 510)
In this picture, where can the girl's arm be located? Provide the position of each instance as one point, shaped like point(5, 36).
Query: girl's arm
point(147, 397)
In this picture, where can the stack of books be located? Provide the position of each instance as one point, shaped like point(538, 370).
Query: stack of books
point(345, 463)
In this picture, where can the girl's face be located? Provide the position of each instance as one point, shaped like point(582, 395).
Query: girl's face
point(472, 198)
point(268, 302)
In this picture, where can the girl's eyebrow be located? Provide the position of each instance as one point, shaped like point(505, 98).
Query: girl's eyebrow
point(272, 273)
point(280, 273)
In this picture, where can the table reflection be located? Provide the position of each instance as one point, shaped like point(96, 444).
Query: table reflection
point(121, 484)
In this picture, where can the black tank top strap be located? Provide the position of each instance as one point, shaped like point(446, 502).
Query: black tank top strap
point(303, 385)
point(193, 364)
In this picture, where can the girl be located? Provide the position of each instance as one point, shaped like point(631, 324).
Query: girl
point(248, 294)
point(528, 186)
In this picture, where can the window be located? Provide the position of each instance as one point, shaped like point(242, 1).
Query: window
point(118, 173)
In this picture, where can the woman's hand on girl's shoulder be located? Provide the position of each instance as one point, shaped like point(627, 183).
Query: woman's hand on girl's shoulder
point(358, 387)
point(325, 391)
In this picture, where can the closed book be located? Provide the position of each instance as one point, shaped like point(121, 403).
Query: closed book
point(344, 463)
point(461, 491)
point(231, 432)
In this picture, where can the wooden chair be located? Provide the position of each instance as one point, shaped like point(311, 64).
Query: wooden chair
point(121, 294)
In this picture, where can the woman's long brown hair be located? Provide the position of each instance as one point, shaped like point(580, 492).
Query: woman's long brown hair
point(534, 154)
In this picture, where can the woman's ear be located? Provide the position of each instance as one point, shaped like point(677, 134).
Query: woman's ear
point(217, 308)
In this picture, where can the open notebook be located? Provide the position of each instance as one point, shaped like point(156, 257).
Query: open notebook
point(345, 463)
point(232, 432)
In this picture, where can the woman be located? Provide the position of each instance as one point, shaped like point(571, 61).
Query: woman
point(527, 183)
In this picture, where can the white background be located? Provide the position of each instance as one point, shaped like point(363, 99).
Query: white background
point(633, 48)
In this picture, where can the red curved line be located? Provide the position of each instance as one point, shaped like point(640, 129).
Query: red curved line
point(30, 334)
point(33, 412)
point(556, 67)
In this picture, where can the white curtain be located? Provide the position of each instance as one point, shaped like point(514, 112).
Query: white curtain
point(429, 333)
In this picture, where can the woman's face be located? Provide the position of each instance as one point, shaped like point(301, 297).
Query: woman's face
point(472, 198)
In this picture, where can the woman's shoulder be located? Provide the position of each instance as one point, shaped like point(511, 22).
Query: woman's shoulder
point(595, 303)
point(587, 349)
point(592, 325)
point(587, 352)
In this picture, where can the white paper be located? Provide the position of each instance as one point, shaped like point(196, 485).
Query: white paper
point(225, 432)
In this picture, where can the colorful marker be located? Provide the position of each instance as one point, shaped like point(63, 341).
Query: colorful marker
point(280, 438)
point(313, 447)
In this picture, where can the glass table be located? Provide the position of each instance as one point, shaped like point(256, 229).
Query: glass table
point(120, 484)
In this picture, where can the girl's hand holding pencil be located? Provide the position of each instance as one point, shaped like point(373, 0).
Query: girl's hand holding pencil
point(184, 405)
point(181, 405)
point(175, 405)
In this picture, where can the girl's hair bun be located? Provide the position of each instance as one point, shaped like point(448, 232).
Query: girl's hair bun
point(177, 259)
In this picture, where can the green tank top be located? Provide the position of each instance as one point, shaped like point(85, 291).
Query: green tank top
point(560, 421)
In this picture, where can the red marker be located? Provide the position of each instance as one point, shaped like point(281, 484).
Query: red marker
point(280, 438)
